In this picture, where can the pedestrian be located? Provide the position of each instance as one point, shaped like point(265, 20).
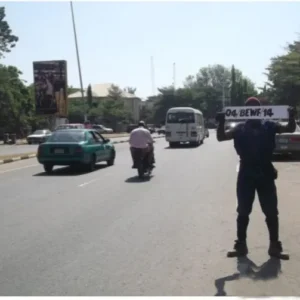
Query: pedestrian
point(254, 142)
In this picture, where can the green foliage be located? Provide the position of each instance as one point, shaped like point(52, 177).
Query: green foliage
point(205, 91)
point(76, 111)
point(115, 93)
point(110, 110)
point(130, 90)
point(146, 114)
point(284, 77)
point(113, 108)
point(89, 97)
point(16, 104)
point(7, 39)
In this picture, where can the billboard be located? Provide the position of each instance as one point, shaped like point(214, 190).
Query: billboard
point(50, 87)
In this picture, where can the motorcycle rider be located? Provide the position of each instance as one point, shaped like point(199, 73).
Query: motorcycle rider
point(141, 138)
point(254, 142)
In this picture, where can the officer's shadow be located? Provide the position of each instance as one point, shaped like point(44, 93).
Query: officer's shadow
point(247, 268)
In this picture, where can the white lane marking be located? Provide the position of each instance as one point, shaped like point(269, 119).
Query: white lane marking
point(16, 169)
point(95, 179)
point(88, 182)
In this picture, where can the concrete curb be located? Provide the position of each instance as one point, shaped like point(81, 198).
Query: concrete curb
point(13, 159)
point(27, 156)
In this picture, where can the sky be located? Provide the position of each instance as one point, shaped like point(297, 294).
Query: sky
point(117, 39)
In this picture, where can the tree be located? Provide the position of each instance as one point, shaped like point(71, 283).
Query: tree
point(113, 111)
point(89, 97)
point(7, 39)
point(76, 111)
point(115, 92)
point(130, 90)
point(216, 76)
point(113, 108)
point(16, 102)
point(181, 97)
point(284, 77)
point(205, 91)
point(146, 114)
point(208, 87)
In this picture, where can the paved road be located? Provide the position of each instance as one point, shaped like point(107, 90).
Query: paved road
point(105, 233)
point(19, 149)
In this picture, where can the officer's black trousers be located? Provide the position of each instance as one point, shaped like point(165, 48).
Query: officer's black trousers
point(267, 194)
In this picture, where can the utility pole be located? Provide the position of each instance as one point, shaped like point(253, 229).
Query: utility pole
point(174, 76)
point(78, 59)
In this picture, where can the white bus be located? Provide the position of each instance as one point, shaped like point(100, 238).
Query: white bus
point(184, 124)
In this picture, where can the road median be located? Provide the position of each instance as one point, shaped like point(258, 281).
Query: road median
point(106, 135)
point(4, 159)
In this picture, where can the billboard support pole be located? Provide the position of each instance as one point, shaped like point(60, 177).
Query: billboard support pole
point(78, 59)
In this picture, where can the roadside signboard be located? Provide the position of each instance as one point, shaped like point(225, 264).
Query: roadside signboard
point(50, 86)
point(270, 112)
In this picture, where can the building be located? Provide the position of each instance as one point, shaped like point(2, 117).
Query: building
point(101, 91)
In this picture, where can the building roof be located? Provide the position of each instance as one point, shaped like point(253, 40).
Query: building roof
point(101, 90)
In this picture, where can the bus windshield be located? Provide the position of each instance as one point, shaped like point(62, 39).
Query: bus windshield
point(180, 117)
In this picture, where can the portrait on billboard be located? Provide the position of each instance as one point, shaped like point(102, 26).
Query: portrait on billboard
point(50, 83)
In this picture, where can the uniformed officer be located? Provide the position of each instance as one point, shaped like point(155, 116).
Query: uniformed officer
point(254, 142)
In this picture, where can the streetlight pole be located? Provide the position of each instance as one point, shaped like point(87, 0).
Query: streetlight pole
point(78, 59)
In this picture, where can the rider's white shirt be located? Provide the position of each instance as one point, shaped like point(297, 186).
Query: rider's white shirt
point(140, 138)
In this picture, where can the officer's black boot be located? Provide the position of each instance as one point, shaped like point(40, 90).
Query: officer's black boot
point(240, 249)
point(275, 247)
point(240, 245)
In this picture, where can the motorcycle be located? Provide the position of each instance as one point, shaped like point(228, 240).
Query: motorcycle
point(141, 163)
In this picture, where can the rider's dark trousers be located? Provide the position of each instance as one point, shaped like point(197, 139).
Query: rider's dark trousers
point(149, 150)
point(247, 185)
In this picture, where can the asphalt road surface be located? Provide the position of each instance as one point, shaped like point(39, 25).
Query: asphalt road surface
point(106, 233)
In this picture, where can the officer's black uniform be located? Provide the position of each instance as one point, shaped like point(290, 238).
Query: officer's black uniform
point(254, 142)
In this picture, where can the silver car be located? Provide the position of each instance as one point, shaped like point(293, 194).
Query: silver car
point(102, 129)
point(39, 136)
point(288, 143)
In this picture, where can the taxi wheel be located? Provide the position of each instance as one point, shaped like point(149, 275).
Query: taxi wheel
point(111, 161)
point(48, 168)
point(92, 165)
